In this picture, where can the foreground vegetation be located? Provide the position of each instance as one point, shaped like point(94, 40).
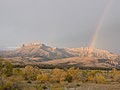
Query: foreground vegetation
point(34, 78)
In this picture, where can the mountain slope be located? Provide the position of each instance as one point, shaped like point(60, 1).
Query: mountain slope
point(84, 62)
point(37, 50)
point(47, 52)
point(36, 53)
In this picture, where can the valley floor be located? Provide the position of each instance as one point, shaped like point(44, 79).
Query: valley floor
point(90, 86)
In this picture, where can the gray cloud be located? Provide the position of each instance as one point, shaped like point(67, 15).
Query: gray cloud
point(60, 23)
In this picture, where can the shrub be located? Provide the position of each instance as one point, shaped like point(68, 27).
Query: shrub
point(43, 78)
point(17, 71)
point(115, 75)
point(100, 79)
point(8, 68)
point(74, 73)
point(69, 78)
point(90, 78)
point(30, 73)
point(7, 86)
point(57, 75)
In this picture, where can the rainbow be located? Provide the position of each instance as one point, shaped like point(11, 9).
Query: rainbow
point(99, 25)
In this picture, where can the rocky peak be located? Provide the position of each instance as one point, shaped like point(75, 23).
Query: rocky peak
point(39, 49)
point(32, 44)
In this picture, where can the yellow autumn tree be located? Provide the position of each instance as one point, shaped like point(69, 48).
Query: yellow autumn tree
point(30, 73)
point(73, 73)
point(95, 76)
point(57, 75)
point(1, 66)
point(115, 74)
point(43, 78)
point(90, 78)
point(100, 79)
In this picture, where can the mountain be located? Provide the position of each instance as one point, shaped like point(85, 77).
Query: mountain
point(41, 50)
point(38, 52)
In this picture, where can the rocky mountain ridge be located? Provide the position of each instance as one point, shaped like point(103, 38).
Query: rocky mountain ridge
point(41, 54)
point(41, 50)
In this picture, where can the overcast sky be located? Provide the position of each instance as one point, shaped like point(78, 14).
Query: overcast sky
point(59, 23)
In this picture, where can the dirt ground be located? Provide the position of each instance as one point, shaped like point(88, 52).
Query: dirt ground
point(90, 86)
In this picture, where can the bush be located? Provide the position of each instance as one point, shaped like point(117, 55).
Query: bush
point(7, 86)
point(100, 79)
point(17, 71)
point(30, 73)
point(90, 78)
point(8, 68)
point(43, 78)
point(1, 88)
point(57, 75)
point(69, 78)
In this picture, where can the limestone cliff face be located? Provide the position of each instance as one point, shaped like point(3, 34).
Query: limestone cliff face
point(92, 52)
point(41, 50)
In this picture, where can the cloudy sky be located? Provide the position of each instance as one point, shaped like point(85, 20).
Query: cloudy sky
point(59, 23)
